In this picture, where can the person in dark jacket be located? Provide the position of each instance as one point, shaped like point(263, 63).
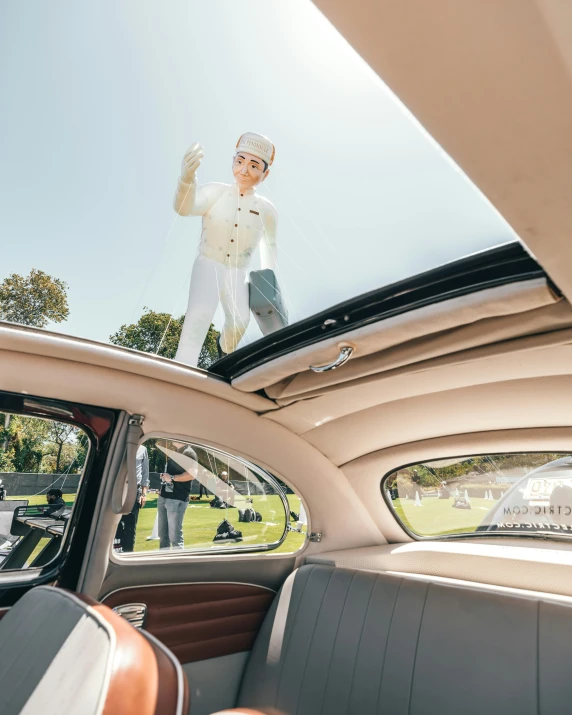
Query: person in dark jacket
point(55, 501)
point(174, 498)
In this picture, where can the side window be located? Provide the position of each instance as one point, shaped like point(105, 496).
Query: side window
point(518, 494)
point(196, 498)
point(41, 466)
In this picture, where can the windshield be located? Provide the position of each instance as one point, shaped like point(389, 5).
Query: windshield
point(184, 179)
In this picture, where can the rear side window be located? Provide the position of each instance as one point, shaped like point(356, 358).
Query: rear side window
point(195, 498)
point(524, 493)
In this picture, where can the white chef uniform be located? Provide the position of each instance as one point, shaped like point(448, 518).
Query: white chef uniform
point(235, 223)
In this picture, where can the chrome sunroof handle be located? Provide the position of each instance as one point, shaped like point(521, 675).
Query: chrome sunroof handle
point(345, 354)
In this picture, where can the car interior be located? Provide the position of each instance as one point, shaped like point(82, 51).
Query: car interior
point(372, 440)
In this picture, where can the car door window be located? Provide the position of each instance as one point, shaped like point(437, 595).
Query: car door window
point(196, 498)
point(41, 467)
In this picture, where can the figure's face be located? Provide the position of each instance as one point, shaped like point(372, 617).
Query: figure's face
point(50, 498)
point(248, 170)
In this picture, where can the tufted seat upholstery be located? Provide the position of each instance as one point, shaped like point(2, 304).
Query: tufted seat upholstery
point(63, 653)
point(342, 642)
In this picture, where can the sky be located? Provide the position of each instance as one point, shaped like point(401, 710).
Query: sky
point(100, 101)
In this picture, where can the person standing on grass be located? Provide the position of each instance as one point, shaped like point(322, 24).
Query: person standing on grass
point(228, 490)
point(174, 498)
point(128, 524)
point(202, 487)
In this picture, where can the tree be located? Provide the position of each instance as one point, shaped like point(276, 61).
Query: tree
point(60, 435)
point(34, 300)
point(26, 437)
point(209, 351)
point(33, 444)
point(159, 333)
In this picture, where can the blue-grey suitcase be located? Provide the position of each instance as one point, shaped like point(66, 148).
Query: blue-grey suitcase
point(266, 301)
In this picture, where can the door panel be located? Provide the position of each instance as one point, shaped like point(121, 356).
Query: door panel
point(203, 620)
point(208, 542)
point(258, 570)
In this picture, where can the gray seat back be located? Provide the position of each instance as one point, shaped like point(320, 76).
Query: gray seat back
point(343, 642)
point(55, 656)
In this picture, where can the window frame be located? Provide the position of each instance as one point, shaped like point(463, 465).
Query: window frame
point(100, 425)
point(474, 534)
point(122, 559)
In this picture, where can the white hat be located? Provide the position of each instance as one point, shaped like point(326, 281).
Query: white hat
point(257, 145)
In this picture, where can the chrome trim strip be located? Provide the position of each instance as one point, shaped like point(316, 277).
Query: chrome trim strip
point(134, 613)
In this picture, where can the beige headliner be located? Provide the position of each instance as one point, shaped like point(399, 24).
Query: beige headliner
point(491, 81)
point(31, 341)
point(471, 368)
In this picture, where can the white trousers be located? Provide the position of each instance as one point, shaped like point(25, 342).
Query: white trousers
point(213, 282)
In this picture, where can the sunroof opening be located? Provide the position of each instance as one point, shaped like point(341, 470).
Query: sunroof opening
point(207, 173)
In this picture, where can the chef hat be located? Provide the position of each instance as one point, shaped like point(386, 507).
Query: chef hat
point(257, 145)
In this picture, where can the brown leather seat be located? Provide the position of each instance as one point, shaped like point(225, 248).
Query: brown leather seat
point(64, 653)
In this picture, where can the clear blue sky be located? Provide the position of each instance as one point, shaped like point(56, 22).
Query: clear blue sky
point(101, 99)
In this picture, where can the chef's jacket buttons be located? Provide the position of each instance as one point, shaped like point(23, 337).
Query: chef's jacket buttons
point(239, 208)
point(228, 255)
point(232, 240)
point(236, 225)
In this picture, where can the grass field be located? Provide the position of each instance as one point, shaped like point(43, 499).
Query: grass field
point(437, 516)
point(40, 499)
point(200, 523)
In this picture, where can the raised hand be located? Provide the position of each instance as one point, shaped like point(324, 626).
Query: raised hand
point(191, 162)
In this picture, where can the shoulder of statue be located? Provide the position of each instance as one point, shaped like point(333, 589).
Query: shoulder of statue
point(215, 187)
point(267, 206)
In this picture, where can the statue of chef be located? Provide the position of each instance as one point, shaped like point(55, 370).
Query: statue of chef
point(236, 220)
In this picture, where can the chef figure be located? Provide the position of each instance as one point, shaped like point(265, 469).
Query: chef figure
point(236, 220)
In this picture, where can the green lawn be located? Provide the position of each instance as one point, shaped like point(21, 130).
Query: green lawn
point(437, 516)
point(200, 524)
point(40, 499)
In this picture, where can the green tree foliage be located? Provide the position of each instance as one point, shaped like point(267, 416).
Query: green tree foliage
point(36, 299)
point(159, 333)
point(26, 438)
point(30, 444)
point(209, 352)
point(58, 440)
